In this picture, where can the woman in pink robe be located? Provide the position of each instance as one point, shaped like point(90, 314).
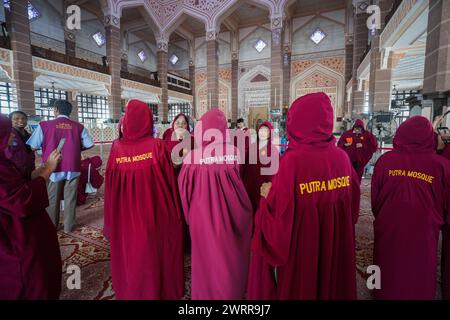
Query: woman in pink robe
point(30, 260)
point(305, 226)
point(410, 204)
point(253, 177)
point(173, 137)
point(218, 212)
point(261, 274)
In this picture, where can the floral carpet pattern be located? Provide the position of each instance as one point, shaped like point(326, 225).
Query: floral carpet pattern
point(88, 249)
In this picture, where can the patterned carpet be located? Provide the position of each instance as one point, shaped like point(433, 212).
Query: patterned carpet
point(87, 248)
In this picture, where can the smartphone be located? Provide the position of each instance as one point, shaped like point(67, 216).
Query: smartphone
point(61, 144)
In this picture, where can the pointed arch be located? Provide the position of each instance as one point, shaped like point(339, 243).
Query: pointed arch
point(246, 84)
point(326, 80)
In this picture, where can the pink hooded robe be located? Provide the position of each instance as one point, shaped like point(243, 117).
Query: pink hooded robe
point(305, 227)
point(30, 259)
point(219, 214)
point(445, 262)
point(359, 156)
point(142, 217)
point(410, 205)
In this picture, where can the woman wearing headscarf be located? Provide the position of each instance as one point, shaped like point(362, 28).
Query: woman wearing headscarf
point(142, 216)
point(179, 142)
point(305, 222)
point(30, 259)
point(360, 145)
point(218, 212)
point(262, 156)
point(410, 202)
point(179, 132)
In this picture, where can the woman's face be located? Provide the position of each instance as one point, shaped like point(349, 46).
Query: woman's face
point(19, 121)
point(180, 123)
point(264, 133)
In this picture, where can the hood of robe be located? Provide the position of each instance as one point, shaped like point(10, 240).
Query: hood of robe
point(5, 132)
point(138, 121)
point(359, 123)
point(415, 134)
point(310, 120)
point(213, 119)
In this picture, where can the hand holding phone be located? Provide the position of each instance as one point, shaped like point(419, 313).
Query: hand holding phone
point(61, 144)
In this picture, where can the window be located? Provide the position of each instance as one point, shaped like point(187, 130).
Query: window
point(43, 100)
point(173, 59)
point(177, 108)
point(99, 38)
point(33, 13)
point(8, 100)
point(363, 6)
point(154, 108)
point(142, 56)
point(259, 45)
point(317, 36)
point(92, 109)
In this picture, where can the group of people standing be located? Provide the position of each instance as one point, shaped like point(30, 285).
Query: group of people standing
point(252, 233)
point(286, 235)
point(30, 197)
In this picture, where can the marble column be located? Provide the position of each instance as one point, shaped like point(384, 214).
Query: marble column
point(162, 45)
point(21, 51)
point(436, 85)
point(276, 61)
point(212, 69)
point(113, 52)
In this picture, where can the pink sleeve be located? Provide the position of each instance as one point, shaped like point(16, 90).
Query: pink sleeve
point(185, 185)
point(375, 188)
point(108, 199)
point(274, 219)
point(356, 196)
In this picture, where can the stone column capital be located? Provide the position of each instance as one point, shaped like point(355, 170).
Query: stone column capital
point(276, 22)
point(111, 20)
point(349, 39)
point(212, 34)
point(235, 55)
point(69, 34)
point(162, 43)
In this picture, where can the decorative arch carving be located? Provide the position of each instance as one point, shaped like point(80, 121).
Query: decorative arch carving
point(318, 78)
point(259, 89)
point(224, 99)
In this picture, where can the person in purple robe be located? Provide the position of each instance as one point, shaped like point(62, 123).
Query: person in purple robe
point(19, 152)
point(218, 211)
point(30, 259)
